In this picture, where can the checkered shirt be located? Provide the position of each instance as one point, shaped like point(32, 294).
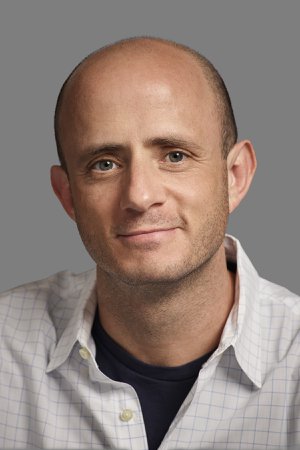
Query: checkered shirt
point(53, 396)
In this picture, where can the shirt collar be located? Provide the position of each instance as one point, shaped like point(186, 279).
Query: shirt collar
point(79, 295)
point(242, 329)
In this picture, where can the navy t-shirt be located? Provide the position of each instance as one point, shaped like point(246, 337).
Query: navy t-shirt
point(161, 390)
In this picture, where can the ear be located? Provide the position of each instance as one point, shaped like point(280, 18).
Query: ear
point(61, 187)
point(241, 166)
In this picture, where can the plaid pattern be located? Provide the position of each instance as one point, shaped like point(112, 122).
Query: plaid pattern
point(52, 394)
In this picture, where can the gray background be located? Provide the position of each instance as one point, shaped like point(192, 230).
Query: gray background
point(256, 47)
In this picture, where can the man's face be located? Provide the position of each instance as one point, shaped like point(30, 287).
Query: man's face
point(147, 178)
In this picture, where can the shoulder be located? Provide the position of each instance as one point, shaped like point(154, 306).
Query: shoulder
point(280, 322)
point(36, 307)
point(43, 294)
point(275, 298)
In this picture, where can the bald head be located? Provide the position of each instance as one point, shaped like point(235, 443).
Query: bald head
point(134, 59)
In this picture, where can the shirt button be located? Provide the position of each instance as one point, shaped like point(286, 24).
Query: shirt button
point(126, 415)
point(84, 353)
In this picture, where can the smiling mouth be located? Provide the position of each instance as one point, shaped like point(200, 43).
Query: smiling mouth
point(142, 232)
point(141, 237)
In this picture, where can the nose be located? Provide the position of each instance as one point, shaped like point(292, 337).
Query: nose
point(142, 187)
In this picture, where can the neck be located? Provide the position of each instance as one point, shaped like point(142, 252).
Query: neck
point(168, 324)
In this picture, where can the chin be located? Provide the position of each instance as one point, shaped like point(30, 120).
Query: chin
point(163, 275)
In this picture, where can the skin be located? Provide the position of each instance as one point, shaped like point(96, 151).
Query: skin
point(150, 192)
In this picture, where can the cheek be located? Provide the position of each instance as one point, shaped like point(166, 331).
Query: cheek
point(205, 196)
point(93, 207)
point(195, 190)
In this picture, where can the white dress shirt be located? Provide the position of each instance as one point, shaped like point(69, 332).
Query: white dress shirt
point(52, 394)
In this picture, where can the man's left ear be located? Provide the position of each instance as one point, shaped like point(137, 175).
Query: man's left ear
point(241, 166)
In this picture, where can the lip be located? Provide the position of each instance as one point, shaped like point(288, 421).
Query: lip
point(140, 232)
point(140, 237)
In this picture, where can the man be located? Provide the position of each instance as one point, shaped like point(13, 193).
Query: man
point(173, 342)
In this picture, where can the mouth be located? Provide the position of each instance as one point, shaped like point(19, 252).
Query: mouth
point(147, 236)
point(141, 232)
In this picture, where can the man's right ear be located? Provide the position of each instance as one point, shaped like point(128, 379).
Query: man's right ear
point(61, 187)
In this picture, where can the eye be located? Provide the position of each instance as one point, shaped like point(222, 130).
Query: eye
point(176, 157)
point(104, 165)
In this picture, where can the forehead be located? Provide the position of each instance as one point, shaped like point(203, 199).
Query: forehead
point(131, 80)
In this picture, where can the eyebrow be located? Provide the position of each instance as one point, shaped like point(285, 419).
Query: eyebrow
point(164, 142)
point(174, 142)
point(98, 150)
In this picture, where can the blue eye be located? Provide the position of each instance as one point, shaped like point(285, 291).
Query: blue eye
point(176, 157)
point(104, 165)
